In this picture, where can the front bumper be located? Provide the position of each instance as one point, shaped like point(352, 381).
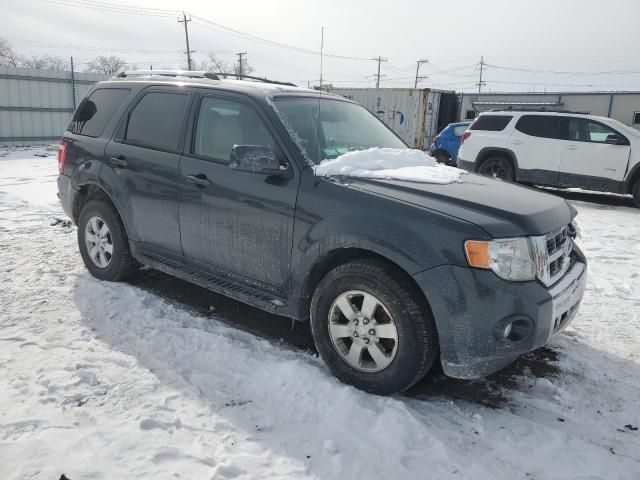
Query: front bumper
point(470, 306)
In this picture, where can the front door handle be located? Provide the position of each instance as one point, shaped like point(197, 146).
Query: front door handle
point(516, 142)
point(571, 147)
point(199, 179)
point(118, 161)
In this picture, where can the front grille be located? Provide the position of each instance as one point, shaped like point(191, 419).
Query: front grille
point(552, 253)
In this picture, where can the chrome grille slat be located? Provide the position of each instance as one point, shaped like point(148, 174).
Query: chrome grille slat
point(552, 253)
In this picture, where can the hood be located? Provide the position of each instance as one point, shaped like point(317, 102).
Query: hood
point(501, 208)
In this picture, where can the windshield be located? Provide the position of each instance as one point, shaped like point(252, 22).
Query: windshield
point(342, 127)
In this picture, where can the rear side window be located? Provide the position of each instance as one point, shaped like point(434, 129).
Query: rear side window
point(156, 121)
point(96, 111)
point(546, 126)
point(491, 123)
point(459, 130)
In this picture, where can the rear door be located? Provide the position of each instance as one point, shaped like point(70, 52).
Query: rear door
point(234, 222)
point(585, 155)
point(141, 166)
point(536, 143)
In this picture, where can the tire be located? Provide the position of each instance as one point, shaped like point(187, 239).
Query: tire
point(400, 306)
point(498, 167)
point(635, 191)
point(119, 262)
point(442, 157)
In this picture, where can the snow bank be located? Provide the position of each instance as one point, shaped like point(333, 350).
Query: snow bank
point(390, 164)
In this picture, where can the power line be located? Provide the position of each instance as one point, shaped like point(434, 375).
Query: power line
point(554, 72)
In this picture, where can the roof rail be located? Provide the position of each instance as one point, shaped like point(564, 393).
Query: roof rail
point(257, 79)
point(197, 74)
point(168, 73)
point(535, 109)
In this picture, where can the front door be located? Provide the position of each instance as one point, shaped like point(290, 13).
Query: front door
point(141, 166)
point(585, 155)
point(235, 222)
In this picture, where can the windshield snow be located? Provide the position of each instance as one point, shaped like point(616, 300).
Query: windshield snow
point(326, 128)
point(390, 164)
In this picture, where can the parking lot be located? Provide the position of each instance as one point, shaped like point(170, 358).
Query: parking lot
point(157, 377)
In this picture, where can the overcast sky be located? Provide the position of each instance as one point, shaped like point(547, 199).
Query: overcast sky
point(579, 37)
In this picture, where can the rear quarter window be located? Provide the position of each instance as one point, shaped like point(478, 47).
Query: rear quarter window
point(96, 111)
point(491, 123)
point(545, 126)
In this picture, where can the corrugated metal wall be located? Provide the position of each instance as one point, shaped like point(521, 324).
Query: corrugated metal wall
point(36, 105)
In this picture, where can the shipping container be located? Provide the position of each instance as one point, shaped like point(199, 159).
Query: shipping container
point(415, 114)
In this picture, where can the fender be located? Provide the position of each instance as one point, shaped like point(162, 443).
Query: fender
point(631, 177)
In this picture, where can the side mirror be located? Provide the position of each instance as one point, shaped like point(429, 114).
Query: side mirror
point(614, 139)
point(257, 159)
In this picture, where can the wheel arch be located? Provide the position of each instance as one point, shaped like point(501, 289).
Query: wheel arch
point(93, 191)
point(505, 153)
point(633, 177)
point(342, 255)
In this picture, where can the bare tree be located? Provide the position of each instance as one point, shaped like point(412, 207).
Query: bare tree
point(107, 65)
point(213, 64)
point(46, 62)
point(8, 55)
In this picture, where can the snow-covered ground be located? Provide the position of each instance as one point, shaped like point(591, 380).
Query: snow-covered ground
point(102, 380)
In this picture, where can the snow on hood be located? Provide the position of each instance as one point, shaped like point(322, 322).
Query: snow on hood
point(390, 164)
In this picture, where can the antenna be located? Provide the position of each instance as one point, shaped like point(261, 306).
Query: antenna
point(321, 53)
point(319, 98)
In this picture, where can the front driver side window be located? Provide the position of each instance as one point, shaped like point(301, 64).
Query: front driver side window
point(222, 124)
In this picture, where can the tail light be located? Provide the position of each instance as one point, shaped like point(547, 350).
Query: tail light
point(465, 135)
point(62, 155)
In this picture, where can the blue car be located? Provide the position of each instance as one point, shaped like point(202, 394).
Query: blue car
point(446, 144)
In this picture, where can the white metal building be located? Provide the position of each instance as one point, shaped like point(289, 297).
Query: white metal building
point(36, 105)
point(622, 106)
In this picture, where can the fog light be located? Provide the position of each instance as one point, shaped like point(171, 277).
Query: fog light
point(507, 330)
point(513, 329)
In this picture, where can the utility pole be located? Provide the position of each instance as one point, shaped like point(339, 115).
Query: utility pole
point(186, 20)
point(240, 64)
point(480, 82)
point(377, 75)
point(420, 62)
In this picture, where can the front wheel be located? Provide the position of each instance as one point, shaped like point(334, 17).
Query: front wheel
point(497, 167)
point(372, 328)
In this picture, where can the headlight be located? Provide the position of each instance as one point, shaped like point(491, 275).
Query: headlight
point(509, 258)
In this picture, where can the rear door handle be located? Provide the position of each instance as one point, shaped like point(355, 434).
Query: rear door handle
point(199, 179)
point(118, 161)
point(516, 142)
point(571, 147)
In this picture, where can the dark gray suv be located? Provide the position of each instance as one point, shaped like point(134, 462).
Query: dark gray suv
point(213, 181)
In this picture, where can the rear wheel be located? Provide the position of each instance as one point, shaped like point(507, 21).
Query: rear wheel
point(442, 157)
point(498, 167)
point(636, 193)
point(103, 242)
point(372, 328)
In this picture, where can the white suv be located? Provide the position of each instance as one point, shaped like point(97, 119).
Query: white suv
point(556, 149)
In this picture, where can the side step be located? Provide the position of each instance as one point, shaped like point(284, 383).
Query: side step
point(274, 301)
